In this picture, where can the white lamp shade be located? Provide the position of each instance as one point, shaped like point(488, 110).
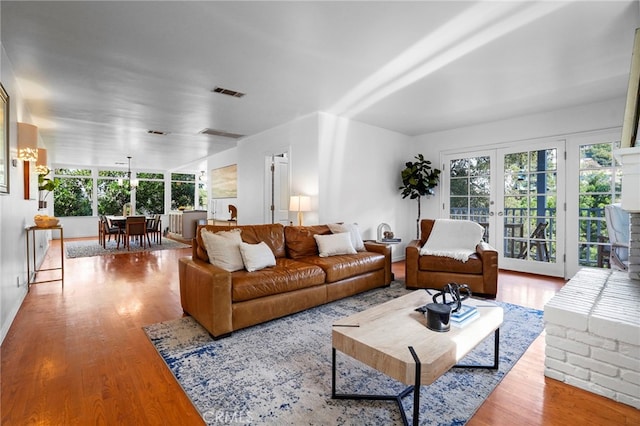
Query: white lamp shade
point(41, 163)
point(27, 142)
point(300, 203)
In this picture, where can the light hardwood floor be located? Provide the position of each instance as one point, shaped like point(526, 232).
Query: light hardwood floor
point(78, 356)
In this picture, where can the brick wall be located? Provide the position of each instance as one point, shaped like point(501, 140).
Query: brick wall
point(593, 334)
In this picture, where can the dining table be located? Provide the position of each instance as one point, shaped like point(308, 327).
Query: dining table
point(121, 222)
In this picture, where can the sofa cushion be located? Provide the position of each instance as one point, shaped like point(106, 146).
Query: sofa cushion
point(354, 232)
point(223, 249)
point(256, 256)
point(448, 264)
point(345, 266)
point(287, 275)
point(271, 234)
point(334, 244)
point(300, 242)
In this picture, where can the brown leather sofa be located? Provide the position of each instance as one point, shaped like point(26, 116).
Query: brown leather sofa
point(480, 272)
point(224, 301)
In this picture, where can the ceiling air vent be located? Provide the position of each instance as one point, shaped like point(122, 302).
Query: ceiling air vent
point(157, 132)
point(214, 132)
point(227, 92)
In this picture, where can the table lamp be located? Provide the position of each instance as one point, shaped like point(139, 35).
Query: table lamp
point(300, 203)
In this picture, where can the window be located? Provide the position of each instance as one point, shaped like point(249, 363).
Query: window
point(113, 192)
point(73, 195)
point(600, 184)
point(150, 193)
point(183, 190)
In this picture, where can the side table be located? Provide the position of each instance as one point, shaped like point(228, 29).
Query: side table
point(31, 230)
point(389, 242)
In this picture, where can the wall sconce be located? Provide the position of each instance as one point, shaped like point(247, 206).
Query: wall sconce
point(27, 142)
point(300, 203)
point(41, 163)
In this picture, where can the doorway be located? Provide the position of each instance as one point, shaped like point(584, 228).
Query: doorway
point(517, 195)
point(277, 189)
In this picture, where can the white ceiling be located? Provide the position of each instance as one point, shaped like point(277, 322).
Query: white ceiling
point(97, 75)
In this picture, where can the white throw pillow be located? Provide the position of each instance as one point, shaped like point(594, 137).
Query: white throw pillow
point(352, 229)
point(257, 256)
point(333, 244)
point(223, 249)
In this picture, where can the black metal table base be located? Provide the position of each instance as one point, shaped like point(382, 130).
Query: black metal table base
point(414, 388)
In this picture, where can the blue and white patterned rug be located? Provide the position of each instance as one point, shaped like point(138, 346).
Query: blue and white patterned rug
point(279, 373)
point(88, 248)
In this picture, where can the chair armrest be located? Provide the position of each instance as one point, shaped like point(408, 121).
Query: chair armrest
point(205, 294)
point(412, 256)
point(385, 250)
point(489, 257)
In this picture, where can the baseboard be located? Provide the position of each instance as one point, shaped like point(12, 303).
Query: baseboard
point(12, 315)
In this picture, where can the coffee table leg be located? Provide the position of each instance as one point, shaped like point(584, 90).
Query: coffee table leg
point(496, 355)
point(416, 388)
point(396, 398)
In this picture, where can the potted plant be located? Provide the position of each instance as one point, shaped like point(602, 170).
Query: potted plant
point(419, 180)
point(45, 186)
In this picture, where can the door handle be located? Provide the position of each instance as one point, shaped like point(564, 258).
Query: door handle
point(500, 213)
point(491, 213)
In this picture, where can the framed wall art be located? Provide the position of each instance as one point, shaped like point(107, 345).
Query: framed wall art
point(224, 182)
point(4, 141)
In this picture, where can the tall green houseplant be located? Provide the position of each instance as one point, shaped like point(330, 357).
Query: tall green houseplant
point(419, 180)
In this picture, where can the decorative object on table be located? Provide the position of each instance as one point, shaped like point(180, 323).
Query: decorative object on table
point(300, 204)
point(386, 235)
point(44, 221)
point(233, 212)
point(419, 180)
point(438, 317)
point(440, 314)
point(289, 383)
point(45, 185)
point(453, 294)
point(465, 315)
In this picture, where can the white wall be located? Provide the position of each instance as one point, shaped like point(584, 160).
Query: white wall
point(359, 176)
point(299, 138)
point(219, 208)
point(351, 171)
point(16, 213)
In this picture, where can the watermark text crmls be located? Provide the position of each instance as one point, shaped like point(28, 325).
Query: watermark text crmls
point(227, 417)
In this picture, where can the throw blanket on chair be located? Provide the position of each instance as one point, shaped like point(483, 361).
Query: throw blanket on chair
point(453, 238)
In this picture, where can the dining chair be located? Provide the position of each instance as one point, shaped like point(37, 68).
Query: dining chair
point(108, 229)
point(136, 226)
point(154, 227)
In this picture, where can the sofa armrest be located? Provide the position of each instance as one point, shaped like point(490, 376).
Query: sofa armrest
point(411, 258)
point(489, 257)
point(385, 250)
point(205, 294)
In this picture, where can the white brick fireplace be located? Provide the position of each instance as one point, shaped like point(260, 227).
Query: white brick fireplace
point(593, 323)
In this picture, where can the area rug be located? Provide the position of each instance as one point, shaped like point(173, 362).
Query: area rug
point(279, 372)
point(88, 248)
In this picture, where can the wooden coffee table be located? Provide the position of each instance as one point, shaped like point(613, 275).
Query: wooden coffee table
point(394, 339)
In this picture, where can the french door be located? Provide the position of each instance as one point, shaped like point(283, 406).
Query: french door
point(517, 195)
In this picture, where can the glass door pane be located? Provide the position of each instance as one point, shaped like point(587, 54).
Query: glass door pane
point(530, 210)
point(469, 190)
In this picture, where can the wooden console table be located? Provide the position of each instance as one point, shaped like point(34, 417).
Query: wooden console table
point(31, 230)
